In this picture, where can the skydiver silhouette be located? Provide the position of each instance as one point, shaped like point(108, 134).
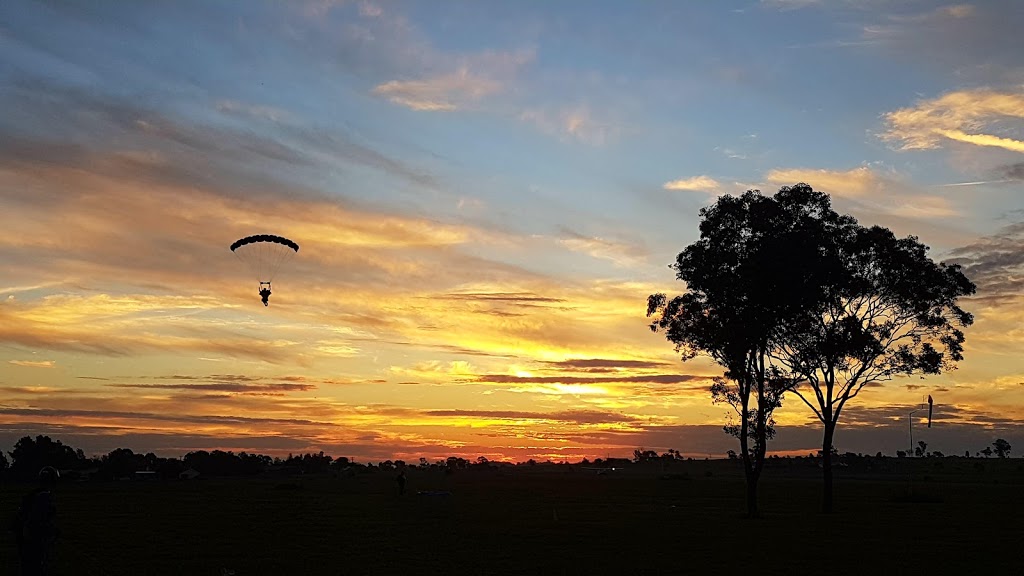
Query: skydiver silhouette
point(265, 293)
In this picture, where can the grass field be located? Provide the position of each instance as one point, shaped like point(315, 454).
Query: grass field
point(546, 520)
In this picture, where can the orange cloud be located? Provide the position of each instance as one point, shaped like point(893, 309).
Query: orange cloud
point(696, 184)
point(885, 193)
point(32, 363)
point(960, 116)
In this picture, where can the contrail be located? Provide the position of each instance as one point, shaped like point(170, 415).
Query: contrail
point(978, 183)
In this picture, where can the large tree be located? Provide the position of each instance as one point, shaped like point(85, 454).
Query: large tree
point(31, 454)
point(746, 276)
point(885, 309)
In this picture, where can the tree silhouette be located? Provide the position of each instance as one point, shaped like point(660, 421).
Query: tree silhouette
point(641, 455)
point(986, 452)
point(922, 449)
point(751, 270)
point(1002, 448)
point(882, 308)
point(121, 463)
point(30, 455)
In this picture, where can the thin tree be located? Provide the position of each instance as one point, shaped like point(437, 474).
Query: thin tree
point(886, 310)
point(745, 276)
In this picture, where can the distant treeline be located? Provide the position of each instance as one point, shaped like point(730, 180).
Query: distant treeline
point(29, 455)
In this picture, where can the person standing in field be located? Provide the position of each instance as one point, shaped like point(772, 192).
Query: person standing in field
point(35, 526)
point(401, 482)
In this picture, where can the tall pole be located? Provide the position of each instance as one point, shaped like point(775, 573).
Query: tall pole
point(910, 466)
point(910, 419)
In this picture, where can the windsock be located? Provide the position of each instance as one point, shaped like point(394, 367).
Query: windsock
point(929, 410)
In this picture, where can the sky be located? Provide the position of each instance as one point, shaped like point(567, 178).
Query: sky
point(484, 195)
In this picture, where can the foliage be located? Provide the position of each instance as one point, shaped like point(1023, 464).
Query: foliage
point(880, 308)
point(754, 267)
point(1002, 448)
point(31, 454)
point(787, 294)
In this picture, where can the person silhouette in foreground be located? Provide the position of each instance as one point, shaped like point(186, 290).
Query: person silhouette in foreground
point(265, 293)
point(401, 482)
point(35, 525)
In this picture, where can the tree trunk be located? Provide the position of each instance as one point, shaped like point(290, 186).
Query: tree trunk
point(752, 495)
point(748, 467)
point(826, 468)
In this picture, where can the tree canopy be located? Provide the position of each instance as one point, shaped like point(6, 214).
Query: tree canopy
point(754, 267)
point(787, 294)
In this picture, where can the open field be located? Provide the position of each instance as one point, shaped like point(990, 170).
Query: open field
point(546, 520)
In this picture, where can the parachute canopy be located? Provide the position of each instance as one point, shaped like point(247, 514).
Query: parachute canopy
point(264, 253)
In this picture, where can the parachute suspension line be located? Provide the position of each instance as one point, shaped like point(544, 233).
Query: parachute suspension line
point(281, 254)
point(264, 254)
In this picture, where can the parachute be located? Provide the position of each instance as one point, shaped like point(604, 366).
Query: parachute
point(264, 254)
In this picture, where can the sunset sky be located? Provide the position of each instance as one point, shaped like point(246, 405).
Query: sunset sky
point(484, 194)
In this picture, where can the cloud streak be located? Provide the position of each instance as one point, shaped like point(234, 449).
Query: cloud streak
point(994, 263)
point(694, 184)
point(865, 186)
point(960, 116)
point(32, 363)
point(440, 94)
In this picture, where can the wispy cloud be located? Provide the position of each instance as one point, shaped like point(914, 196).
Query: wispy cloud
point(619, 252)
point(962, 116)
point(570, 416)
point(886, 193)
point(574, 123)
point(589, 364)
point(255, 111)
point(969, 44)
point(32, 363)
point(958, 10)
point(441, 93)
point(469, 80)
point(233, 387)
point(152, 145)
point(644, 378)
point(1012, 172)
point(786, 5)
point(695, 184)
point(519, 298)
point(855, 183)
point(995, 262)
point(370, 9)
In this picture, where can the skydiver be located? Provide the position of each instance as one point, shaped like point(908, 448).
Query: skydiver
point(265, 294)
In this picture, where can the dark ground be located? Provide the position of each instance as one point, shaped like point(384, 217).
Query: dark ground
point(547, 520)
